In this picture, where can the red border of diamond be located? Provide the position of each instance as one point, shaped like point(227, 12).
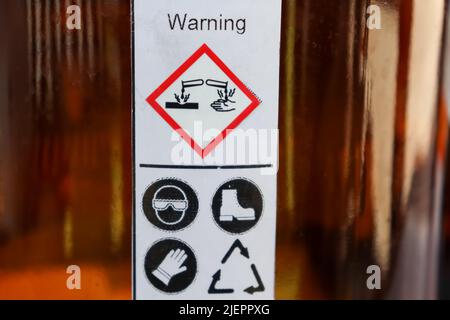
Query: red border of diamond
point(204, 49)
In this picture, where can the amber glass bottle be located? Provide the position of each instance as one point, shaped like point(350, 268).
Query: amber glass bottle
point(65, 141)
point(362, 138)
point(362, 149)
point(445, 250)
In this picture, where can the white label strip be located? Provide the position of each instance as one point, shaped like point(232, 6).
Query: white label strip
point(205, 148)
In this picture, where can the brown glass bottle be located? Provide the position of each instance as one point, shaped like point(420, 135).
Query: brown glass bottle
point(445, 250)
point(362, 149)
point(65, 189)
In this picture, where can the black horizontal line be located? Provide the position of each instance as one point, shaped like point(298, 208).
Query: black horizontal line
point(166, 166)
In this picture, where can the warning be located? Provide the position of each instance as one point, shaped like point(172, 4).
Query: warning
point(206, 85)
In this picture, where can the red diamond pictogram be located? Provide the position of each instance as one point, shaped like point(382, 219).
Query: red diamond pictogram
point(225, 113)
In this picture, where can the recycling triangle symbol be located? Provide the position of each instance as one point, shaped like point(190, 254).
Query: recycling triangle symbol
point(237, 245)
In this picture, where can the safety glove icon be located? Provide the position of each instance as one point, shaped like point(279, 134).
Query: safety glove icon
point(171, 266)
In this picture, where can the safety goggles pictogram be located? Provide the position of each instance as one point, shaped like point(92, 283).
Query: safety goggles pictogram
point(163, 204)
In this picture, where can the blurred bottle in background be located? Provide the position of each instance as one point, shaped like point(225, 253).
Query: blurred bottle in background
point(445, 251)
point(65, 143)
point(363, 138)
point(362, 147)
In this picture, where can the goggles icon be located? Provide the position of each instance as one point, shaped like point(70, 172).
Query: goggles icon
point(163, 204)
point(170, 197)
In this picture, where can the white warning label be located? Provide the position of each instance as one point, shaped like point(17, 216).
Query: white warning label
point(205, 148)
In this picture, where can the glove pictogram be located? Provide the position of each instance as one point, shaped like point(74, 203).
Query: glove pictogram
point(171, 266)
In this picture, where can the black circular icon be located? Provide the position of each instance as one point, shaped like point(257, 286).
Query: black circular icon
point(170, 204)
point(170, 265)
point(237, 206)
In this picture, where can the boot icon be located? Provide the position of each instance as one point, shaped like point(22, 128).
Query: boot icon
point(231, 209)
point(237, 206)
